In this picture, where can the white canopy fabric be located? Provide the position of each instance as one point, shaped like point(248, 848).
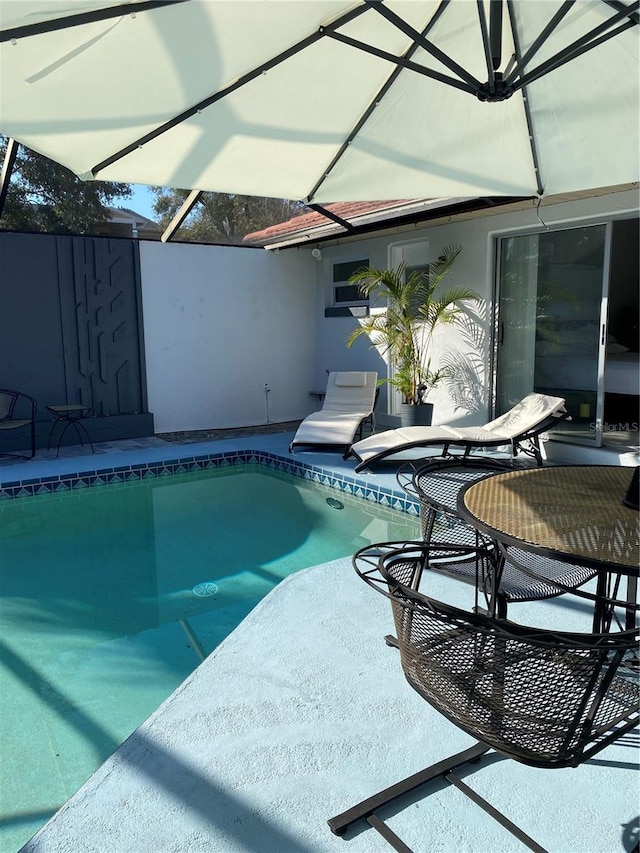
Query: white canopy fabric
point(279, 97)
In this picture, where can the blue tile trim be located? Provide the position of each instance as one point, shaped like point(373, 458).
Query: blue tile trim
point(349, 484)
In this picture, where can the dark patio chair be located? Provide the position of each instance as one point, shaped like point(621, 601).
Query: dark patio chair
point(18, 412)
point(544, 698)
point(521, 576)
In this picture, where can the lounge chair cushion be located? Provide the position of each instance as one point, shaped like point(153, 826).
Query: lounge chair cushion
point(524, 417)
point(351, 379)
point(329, 428)
point(349, 399)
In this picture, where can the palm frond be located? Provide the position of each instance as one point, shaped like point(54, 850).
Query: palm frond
point(413, 310)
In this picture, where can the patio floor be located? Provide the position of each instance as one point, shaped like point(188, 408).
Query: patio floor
point(301, 712)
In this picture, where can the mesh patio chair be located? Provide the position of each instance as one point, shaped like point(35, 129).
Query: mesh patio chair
point(521, 575)
point(543, 698)
point(18, 412)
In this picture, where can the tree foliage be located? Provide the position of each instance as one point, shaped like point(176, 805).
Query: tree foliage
point(221, 218)
point(415, 307)
point(44, 196)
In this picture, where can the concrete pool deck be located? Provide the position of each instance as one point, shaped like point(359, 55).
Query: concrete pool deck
point(300, 713)
point(77, 459)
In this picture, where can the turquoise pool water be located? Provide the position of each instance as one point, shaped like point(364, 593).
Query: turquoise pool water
point(111, 596)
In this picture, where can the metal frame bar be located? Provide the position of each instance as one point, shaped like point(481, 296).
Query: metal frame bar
point(525, 100)
point(323, 211)
point(618, 6)
point(367, 809)
point(7, 169)
point(492, 37)
point(66, 423)
point(495, 32)
point(375, 101)
point(187, 206)
point(536, 45)
point(227, 90)
point(388, 834)
point(32, 404)
point(423, 42)
point(570, 53)
point(502, 819)
point(487, 41)
point(84, 18)
point(496, 87)
point(402, 61)
point(590, 40)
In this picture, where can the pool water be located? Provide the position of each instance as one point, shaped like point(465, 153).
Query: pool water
point(112, 595)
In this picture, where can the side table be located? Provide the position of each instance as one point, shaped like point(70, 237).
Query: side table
point(69, 415)
point(320, 395)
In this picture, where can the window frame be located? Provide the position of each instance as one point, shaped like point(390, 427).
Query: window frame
point(343, 282)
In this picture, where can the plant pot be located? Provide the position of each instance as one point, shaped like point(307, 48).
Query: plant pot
point(420, 415)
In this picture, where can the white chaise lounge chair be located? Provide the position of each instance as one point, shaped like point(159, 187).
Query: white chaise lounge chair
point(349, 400)
point(520, 427)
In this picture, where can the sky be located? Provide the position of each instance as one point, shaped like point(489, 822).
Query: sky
point(141, 201)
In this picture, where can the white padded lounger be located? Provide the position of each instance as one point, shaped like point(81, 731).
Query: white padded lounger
point(349, 400)
point(520, 427)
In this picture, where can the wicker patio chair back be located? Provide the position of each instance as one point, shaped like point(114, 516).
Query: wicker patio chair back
point(435, 486)
point(541, 697)
point(523, 576)
point(8, 401)
point(17, 412)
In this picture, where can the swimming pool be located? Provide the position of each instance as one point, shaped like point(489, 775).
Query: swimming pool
point(112, 595)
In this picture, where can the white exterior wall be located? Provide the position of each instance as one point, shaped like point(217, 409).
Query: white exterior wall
point(220, 322)
point(332, 332)
point(474, 269)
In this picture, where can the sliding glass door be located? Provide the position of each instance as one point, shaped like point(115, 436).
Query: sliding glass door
point(551, 320)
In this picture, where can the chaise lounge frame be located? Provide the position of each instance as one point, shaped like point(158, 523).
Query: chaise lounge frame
point(349, 402)
point(496, 433)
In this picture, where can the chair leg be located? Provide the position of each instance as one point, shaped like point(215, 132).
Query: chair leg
point(495, 814)
point(533, 450)
point(366, 810)
point(27, 454)
point(536, 451)
point(501, 606)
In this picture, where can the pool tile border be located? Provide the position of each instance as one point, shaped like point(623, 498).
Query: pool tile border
point(350, 485)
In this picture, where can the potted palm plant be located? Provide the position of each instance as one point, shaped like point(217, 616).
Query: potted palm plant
point(405, 330)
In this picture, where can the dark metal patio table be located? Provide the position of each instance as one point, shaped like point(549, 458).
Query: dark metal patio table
point(572, 513)
point(69, 414)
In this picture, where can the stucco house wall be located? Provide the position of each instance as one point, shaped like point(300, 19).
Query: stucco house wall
point(474, 269)
point(220, 324)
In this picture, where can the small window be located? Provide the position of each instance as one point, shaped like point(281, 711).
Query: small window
point(345, 293)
